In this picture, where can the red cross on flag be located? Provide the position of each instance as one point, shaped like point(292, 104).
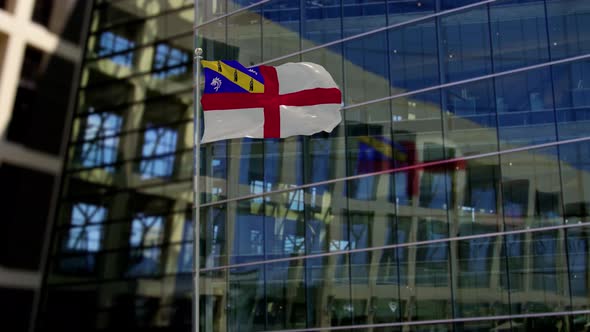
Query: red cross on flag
point(268, 102)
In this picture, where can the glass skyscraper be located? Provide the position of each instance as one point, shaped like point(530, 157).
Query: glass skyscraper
point(454, 196)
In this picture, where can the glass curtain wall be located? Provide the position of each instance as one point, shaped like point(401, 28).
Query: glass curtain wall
point(120, 255)
point(483, 106)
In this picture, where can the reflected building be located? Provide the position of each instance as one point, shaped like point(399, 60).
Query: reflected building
point(482, 105)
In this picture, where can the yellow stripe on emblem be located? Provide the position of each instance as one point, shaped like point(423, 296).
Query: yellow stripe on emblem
point(234, 75)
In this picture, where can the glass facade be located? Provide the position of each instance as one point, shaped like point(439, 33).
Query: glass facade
point(481, 106)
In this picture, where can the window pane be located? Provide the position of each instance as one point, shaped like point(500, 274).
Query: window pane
point(321, 22)
point(470, 119)
point(366, 69)
point(572, 98)
point(244, 31)
point(361, 16)
point(567, 20)
point(478, 262)
point(413, 57)
point(465, 49)
point(158, 148)
point(525, 109)
point(280, 26)
point(101, 144)
point(519, 36)
point(404, 10)
point(417, 128)
point(531, 189)
point(84, 238)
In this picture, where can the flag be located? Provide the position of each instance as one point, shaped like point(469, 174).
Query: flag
point(268, 102)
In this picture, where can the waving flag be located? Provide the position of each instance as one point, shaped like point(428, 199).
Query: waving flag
point(268, 102)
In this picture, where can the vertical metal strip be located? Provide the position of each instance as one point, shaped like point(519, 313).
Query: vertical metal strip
point(196, 189)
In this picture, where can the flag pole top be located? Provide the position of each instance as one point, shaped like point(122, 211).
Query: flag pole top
point(198, 52)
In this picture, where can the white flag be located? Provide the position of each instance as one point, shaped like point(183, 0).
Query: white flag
point(268, 102)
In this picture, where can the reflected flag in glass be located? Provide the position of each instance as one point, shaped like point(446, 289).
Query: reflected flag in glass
point(378, 153)
point(268, 102)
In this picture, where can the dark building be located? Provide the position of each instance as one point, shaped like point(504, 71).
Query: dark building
point(40, 57)
point(484, 104)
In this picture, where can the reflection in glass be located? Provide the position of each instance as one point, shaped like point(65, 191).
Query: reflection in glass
point(525, 109)
point(100, 145)
point(465, 45)
point(134, 111)
point(158, 147)
point(361, 16)
point(246, 309)
point(566, 19)
point(578, 260)
point(285, 295)
point(518, 31)
point(170, 61)
point(477, 294)
point(111, 43)
point(575, 167)
point(531, 189)
point(84, 236)
point(572, 98)
point(280, 28)
point(404, 10)
point(314, 24)
point(146, 235)
point(367, 68)
point(470, 120)
point(413, 57)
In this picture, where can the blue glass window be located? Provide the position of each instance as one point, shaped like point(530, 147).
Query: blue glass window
point(513, 249)
point(86, 231)
point(432, 259)
point(435, 184)
point(185, 257)
point(515, 196)
point(84, 238)
point(519, 35)
point(393, 260)
point(296, 202)
point(169, 61)
point(146, 235)
point(569, 23)
point(525, 108)
point(249, 237)
point(321, 21)
point(294, 244)
point(577, 246)
point(465, 45)
point(572, 98)
point(413, 57)
point(404, 10)
point(258, 187)
point(110, 43)
point(475, 258)
point(100, 146)
point(158, 152)
point(545, 252)
point(450, 4)
point(362, 16)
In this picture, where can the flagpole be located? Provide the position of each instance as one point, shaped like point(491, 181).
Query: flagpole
point(196, 189)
